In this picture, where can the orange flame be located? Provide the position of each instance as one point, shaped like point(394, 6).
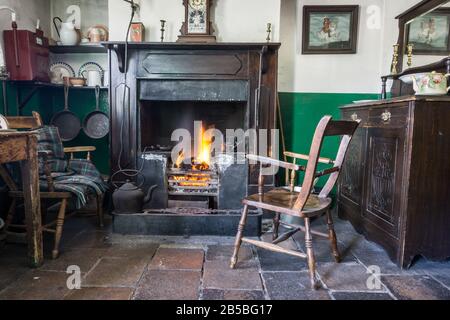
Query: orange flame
point(202, 160)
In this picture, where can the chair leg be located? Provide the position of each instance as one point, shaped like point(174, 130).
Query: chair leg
point(276, 225)
point(239, 236)
point(332, 237)
point(311, 257)
point(59, 228)
point(100, 210)
point(11, 212)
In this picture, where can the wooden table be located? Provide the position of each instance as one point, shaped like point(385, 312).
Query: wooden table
point(22, 146)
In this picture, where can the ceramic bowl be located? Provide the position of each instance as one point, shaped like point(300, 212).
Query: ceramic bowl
point(77, 82)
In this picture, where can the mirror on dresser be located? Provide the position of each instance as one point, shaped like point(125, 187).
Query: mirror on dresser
point(427, 37)
point(423, 44)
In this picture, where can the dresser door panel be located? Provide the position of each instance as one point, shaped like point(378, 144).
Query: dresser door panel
point(351, 185)
point(385, 154)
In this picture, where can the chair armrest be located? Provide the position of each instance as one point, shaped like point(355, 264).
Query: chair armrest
point(79, 149)
point(327, 172)
point(73, 150)
point(278, 163)
point(306, 157)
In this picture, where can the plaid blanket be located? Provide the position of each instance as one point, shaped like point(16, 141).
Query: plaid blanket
point(49, 142)
point(78, 176)
point(81, 178)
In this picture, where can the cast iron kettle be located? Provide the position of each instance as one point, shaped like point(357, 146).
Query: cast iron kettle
point(130, 198)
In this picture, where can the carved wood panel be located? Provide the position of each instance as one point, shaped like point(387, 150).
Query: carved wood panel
point(198, 63)
point(384, 178)
point(382, 175)
point(352, 173)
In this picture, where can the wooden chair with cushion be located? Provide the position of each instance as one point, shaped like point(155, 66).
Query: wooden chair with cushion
point(55, 227)
point(303, 204)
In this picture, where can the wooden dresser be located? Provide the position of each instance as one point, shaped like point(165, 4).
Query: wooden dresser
point(395, 185)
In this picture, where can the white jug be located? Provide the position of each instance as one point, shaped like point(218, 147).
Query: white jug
point(93, 77)
point(67, 32)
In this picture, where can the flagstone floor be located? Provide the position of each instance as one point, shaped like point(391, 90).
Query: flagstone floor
point(115, 267)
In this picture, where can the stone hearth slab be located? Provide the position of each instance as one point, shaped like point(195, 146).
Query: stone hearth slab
point(177, 259)
point(37, 285)
point(185, 225)
point(219, 275)
point(235, 295)
point(168, 285)
point(100, 294)
point(292, 286)
point(115, 272)
point(416, 288)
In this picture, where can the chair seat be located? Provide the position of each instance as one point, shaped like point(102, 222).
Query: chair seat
point(283, 201)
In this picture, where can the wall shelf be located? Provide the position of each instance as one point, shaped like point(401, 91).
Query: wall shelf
point(88, 48)
point(52, 85)
point(36, 85)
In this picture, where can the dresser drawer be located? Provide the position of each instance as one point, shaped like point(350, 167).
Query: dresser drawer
point(355, 115)
point(389, 116)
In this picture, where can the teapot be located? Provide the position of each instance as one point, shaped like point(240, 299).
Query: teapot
point(430, 83)
point(129, 198)
point(68, 35)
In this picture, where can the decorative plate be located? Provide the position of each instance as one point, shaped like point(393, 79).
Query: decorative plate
point(98, 33)
point(91, 66)
point(3, 123)
point(59, 70)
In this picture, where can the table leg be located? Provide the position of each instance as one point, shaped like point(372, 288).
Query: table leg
point(30, 178)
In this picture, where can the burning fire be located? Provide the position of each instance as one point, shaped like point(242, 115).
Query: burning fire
point(193, 180)
point(202, 160)
point(196, 175)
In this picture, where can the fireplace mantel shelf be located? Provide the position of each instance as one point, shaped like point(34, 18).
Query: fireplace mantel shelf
point(197, 46)
point(119, 48)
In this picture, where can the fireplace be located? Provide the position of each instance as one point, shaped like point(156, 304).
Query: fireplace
point(194, 88)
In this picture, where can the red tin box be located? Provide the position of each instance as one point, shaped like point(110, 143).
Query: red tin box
point(26, 55)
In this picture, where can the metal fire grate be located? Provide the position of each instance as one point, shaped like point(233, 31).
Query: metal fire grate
point(193, 183)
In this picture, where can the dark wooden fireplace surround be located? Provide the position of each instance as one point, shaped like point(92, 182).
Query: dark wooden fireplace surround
point(254, 63)
point(175, 61)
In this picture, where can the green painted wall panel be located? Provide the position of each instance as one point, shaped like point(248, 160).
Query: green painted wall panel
point(48, 101)
point(301, 112)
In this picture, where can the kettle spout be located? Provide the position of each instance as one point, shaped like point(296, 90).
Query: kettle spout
point(149, 195)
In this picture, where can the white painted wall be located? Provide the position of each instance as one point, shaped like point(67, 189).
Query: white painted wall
point(28, 11)
point(330, 73)
point(352, 73)
point(234, 20)
point(242, 21)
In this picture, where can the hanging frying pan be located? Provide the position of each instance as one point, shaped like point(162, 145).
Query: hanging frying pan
point(96, 124)
point(67, 122)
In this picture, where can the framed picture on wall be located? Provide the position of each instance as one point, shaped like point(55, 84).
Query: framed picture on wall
point(430, 34)
point(330, 29)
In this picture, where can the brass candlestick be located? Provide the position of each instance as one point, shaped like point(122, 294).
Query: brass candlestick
point(163, 24)
point(395, 60)
point(410, 54)
point(269, 31)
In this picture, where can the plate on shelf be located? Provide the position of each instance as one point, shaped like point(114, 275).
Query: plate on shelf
point(3, 123)
point(59, 70)
point(91, 66)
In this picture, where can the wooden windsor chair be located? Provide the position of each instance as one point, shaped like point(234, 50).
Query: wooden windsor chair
point(303, 204)
point(55, 227)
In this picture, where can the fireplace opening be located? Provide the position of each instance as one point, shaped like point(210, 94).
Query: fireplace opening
point(159, 119)
point(195, 175)
point(195, 180)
